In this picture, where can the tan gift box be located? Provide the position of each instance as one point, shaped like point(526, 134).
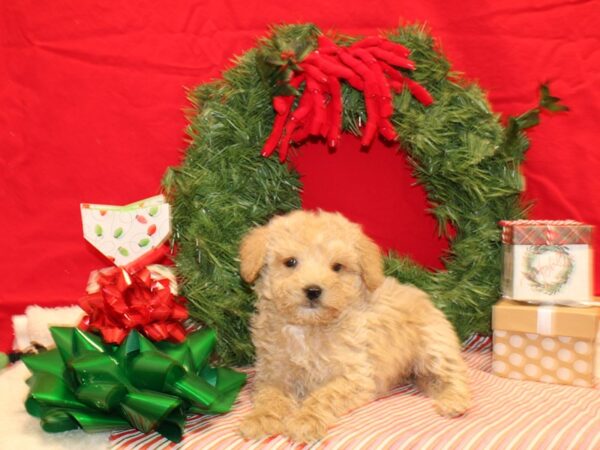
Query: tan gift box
point(553, 344)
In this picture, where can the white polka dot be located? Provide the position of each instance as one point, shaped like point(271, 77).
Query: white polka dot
point(565, 355)
point(499, 367)
point(547, 379)
point(564, 374)
point(516, 341)
point(548, 344)
point(580, 382)
point(532, 337)
point(548, 363)
point(500, 333)
point(500, 349)
point(581, 366)
point(582, 347)
point(532, 370)
point(515, 359)
point(516, 375)
point(564, 339)
point(532, 351)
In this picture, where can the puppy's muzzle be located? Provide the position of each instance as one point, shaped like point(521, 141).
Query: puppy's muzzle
point(313, 293)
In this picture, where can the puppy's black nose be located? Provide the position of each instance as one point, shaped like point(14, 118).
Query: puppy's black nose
point(312, 292)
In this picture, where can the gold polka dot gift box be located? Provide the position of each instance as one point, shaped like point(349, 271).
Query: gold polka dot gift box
point(547, 261)
point(548, 343)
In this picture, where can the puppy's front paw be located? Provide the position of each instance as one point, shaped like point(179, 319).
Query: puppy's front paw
point(257, 425)
point(452, 403)
point(305, 426)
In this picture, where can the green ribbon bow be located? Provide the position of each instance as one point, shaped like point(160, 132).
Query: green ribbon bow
point(85, 383)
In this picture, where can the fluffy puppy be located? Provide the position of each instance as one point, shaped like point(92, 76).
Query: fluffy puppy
point(332, 333)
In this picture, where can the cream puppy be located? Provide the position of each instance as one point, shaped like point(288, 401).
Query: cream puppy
point(332, 333)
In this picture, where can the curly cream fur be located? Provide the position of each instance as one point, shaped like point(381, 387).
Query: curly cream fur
point(315, 361)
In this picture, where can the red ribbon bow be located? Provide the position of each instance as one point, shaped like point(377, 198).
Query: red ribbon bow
point(130, 298)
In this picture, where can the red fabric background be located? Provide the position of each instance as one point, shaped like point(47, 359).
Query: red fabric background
point(93, 95)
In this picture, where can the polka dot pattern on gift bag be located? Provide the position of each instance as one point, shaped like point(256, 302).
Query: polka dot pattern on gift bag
point(550, 359)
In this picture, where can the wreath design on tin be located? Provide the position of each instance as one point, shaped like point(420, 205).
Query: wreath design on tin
point(551, 276)
point(467, 161)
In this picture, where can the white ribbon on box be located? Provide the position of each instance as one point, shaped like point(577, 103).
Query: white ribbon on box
point(545, 320)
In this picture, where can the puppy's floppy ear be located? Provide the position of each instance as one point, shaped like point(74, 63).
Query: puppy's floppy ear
point(371, 263)
point(253, 250)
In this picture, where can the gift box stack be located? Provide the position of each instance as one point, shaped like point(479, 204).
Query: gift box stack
point(131, 362)
point(547, 326)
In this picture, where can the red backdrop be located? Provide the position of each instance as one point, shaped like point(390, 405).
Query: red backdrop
point(93, 95)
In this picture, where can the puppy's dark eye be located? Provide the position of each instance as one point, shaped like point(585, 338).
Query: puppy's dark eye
point(290, 262)
point(337, 267)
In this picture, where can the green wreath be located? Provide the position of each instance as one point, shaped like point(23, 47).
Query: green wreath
point(462, 155)
point(536, 279)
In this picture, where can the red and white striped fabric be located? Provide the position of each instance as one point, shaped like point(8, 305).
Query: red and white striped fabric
point(507, 414)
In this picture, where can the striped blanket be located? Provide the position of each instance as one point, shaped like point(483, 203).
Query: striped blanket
point(507, 414)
